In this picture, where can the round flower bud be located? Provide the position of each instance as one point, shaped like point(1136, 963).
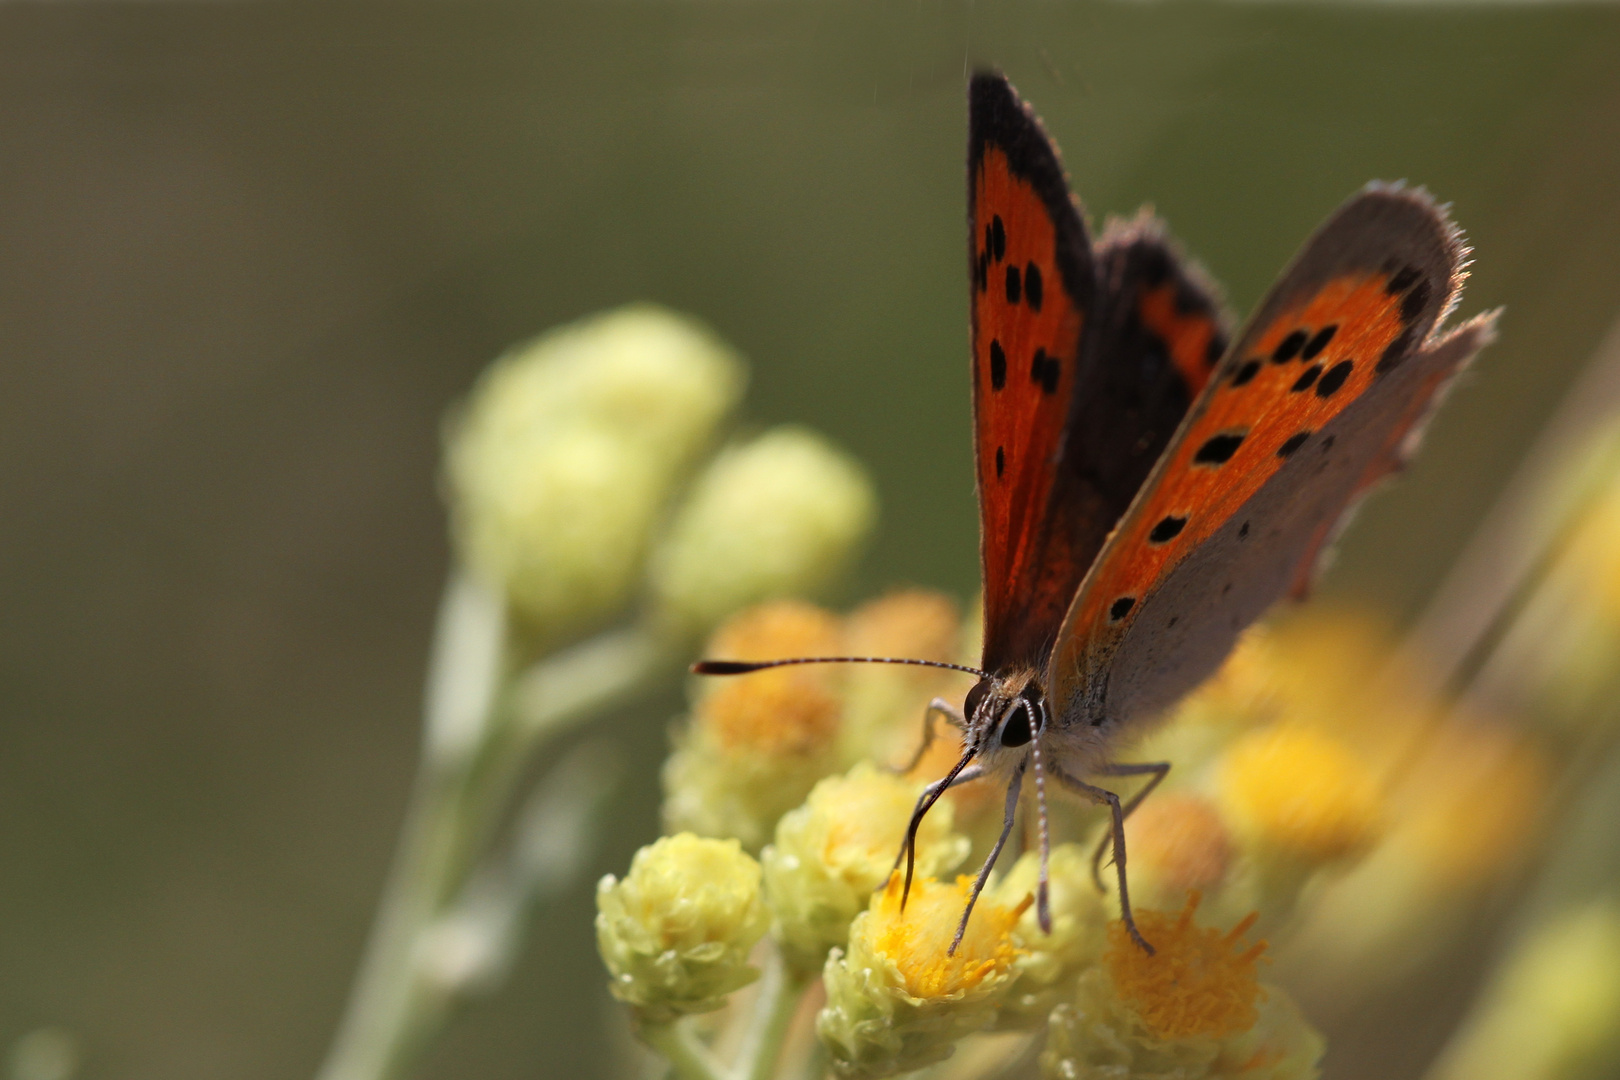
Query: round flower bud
point(676, 932)
point(1178, 844)
point(757, 744)
point(1048, 963)
point(885, 703)
point(898, 1000)
point(561, 459)
point(777, 516)
point(832, 852)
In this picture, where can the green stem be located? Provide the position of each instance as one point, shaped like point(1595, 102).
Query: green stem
point(481, 735)
point(689, 1058)
point(778, 999)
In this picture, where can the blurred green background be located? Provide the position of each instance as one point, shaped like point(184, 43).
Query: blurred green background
point(248, 254)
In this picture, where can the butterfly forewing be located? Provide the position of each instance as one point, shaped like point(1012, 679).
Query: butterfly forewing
point(1327, 377)
point(1083, 365)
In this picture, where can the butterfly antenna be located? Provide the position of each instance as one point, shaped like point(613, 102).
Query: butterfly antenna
point(1043, 907)
point(743, 667)
point(908, 848)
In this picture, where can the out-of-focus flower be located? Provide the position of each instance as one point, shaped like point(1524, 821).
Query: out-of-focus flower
point(777, 516)
point(756, 744)
point(1048, 963)
point(897, 1000)
point(1301, 794)
point(1463, 814)
point(676, 932)
point(1194, 1009)
point(831, 854)
point(1178, 843)
point(885, 702)
point(1550, 1011)
point(565, 453)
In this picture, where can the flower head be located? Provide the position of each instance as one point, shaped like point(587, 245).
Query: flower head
point(777, 516)
point(676, 932)
point(757, 743)
point(1048, 962)
point(1195, 1009)
point(899, 998)
point(559, 464)
point(832, 852)
point(1301, 793)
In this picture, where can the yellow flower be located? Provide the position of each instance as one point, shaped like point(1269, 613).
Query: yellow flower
point(832, 852)
point(1194, 983)
point(898, 1000)
point(1300, 793)
point(885, 702)
point(757, 743)
point(676, 932)
point(1193, 1010)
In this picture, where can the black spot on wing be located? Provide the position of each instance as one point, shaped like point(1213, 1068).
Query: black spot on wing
point(998, 366)
point(1403, 280)
point(1305, 379)
point(1314, 346)
point(1001, 462)
point(1167, 530)
point(1013, 291)
point(1033, 286)
point(998, 238)
point(1415, 301)
point(1044, 369)
point(1243, 533)
point(1215, 349)
point(1218, 449)
point(1289, 347)
point(1245, 373)
point(1293, 443)
point(1334, 379)
point(1121, 608)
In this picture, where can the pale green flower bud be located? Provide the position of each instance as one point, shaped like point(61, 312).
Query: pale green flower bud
point(778, 516)
point(1550, 1011)
point(676, 932)
point(898, 1000)
point(563, 457)
point(1048, 963)
point(832, 853)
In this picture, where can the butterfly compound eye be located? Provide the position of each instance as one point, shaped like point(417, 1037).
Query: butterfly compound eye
point(1015, 732)
point(975, 698)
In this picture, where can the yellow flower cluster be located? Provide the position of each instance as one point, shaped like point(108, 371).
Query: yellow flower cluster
point(755, 746)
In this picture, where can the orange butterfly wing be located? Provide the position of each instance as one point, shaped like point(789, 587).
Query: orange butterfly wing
point(1329, 376)
point(1083, 365)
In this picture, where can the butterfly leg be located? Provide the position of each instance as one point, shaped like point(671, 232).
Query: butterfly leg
point(1102, 795)
point(1159, 769)
point(938, 707)
point(1014, 786)
point(960, 774)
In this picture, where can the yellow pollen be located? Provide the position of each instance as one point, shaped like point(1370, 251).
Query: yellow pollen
point(1196, 983)
point(779, 713)
point(917, 940)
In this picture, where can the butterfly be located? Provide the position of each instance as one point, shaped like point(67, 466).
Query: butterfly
point(1149, 482)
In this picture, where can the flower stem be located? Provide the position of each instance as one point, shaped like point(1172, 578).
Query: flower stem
point(778, 999)
point(687, 1056)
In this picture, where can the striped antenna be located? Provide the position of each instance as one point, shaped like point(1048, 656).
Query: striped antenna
point(743, 667)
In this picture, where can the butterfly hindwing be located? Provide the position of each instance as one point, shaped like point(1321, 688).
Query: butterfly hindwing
point(1078, 385)
point(1329, 374)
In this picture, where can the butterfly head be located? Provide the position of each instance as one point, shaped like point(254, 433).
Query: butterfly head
point(1004, 713)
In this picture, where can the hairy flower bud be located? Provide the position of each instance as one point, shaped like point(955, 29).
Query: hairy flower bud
point(778, 516)
point(563, 456)
point(832, 852)
point(676, 932)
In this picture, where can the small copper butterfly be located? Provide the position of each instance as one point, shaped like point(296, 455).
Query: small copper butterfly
point(1149, 483)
